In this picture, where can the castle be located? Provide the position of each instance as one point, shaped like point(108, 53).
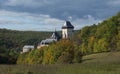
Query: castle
point(67, 32)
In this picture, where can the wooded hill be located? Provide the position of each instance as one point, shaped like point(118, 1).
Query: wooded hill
point(103, 37)
point(100, 38)
point(12, 41)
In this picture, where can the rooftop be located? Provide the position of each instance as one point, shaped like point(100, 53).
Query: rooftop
point(67, 24)
point(48, 41)
point(28, 47)
point(55, 35)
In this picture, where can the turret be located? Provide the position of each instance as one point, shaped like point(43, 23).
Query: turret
point(67, 30)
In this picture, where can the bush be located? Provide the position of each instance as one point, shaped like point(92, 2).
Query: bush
point(78, 57)
point(65, 58)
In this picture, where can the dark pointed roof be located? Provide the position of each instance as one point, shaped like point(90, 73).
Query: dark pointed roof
point(55, 35)
point(67, 24)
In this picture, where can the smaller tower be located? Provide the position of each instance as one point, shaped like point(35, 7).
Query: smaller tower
point(55, 35)
point(67, 30)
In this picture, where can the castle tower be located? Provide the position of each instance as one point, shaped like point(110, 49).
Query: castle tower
point(67, 30)
point(55, 35)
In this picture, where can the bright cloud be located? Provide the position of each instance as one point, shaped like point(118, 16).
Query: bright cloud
point(28, 21)
point(50, 14)
point(31, 20)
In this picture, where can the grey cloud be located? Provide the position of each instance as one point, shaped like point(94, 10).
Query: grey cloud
point(28, 21)
point(28, 3)
point(114, 3)
point(55, 11)
point(36, 21)
point(61, 9)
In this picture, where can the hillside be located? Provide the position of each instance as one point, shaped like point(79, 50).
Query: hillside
point(106, 57)
point(11, 42)
point(100, 38)
point(101, 63)
point(104, 37)
point(11, 39)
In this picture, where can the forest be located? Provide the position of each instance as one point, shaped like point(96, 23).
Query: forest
point(12, 41)
point(104, 37)
point(97, 38)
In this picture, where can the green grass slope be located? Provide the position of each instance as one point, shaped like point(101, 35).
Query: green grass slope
point(107, 57)
point(101, 63)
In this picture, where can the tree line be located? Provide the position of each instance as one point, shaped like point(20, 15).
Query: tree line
point(61, 52)
point(12, 41)
point(103, 37)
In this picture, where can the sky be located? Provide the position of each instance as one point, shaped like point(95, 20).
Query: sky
point(48, 15)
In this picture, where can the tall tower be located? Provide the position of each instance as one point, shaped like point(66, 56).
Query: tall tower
point(67, 30)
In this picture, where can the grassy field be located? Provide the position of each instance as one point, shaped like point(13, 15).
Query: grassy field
point(102, 63)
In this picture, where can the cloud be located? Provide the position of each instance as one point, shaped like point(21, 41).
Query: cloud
point(25, 3)
point(26, 17)
point(62, 9)
point(28, 3)
point(41, 22)
point(86, 21)
point(28, 21)
point(114, 2)
point(46, 13)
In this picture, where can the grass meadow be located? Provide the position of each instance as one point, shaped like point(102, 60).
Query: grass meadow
point(101, 63)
